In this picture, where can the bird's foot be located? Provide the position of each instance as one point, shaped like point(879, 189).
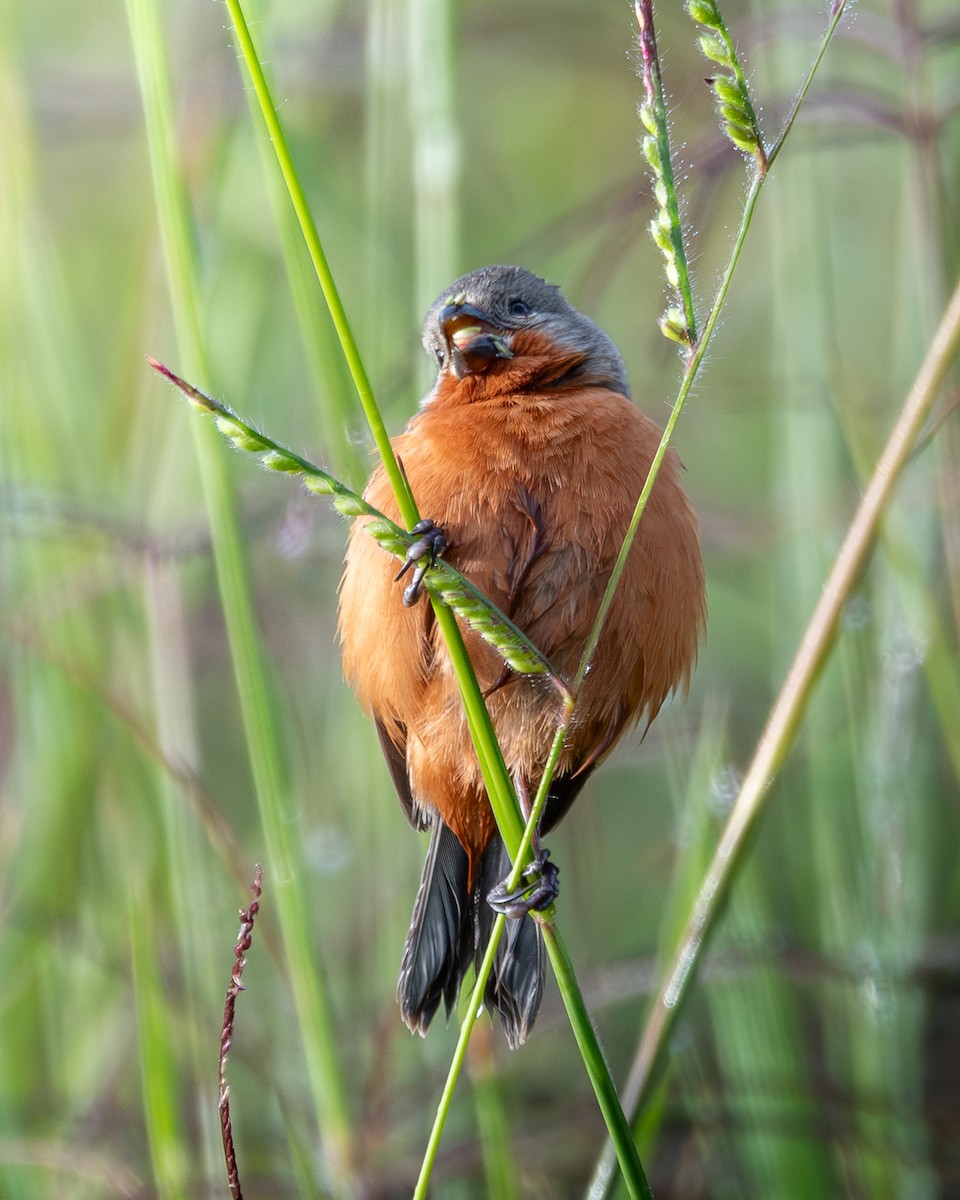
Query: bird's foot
point(422, 554)
point(538, 888)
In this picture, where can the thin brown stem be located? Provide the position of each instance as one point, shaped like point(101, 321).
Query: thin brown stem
point(244, 940)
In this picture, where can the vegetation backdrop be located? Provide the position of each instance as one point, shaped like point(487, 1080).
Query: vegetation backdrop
point(817, 1054)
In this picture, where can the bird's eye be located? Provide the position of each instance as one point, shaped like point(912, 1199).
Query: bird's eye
point(438, 353)
point(517, 308)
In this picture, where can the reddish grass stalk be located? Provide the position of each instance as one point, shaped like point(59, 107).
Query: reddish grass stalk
point(244, 939)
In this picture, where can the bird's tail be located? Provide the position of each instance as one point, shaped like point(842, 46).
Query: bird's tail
point(515, 986)
point(450, 929)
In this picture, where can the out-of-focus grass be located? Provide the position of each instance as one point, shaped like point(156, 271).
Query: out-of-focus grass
point(815, 1057)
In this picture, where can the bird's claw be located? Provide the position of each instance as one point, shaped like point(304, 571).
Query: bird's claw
point(422, 554)
point(539, 887)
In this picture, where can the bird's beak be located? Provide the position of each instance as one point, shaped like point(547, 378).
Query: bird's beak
point(472, 338)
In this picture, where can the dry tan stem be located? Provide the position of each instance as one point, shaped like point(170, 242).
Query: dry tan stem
point(788, 710)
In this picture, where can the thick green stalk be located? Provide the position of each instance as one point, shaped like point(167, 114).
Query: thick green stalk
point(259, 717)
point(621, 1135)
point(351, 352)
point(156, 1043)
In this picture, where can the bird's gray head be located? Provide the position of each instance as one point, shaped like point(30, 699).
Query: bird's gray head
point(478, 319)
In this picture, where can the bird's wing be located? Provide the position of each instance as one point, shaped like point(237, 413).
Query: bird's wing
point(394, 746)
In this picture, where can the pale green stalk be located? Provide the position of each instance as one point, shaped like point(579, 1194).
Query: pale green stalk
point(285, 873)
point(496, 778)
point(167, 641)
point(351, 352)
point(163, 1119)
point(501, 1171)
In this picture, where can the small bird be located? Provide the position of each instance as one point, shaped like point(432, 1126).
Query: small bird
point(527, 458)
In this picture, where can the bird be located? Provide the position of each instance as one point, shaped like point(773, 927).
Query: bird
point(526, 458)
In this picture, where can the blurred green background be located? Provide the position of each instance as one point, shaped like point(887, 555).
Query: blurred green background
point(818, 1055)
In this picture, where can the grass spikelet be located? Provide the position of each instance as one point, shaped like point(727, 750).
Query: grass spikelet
point(678, 322)
point(738, 119)
point(441, 580)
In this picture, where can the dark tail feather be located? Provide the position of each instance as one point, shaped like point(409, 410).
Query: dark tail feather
point(515, 986)
point(450, 928)
point(441, 939)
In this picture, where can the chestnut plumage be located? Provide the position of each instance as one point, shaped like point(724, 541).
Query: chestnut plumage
point(530, 456)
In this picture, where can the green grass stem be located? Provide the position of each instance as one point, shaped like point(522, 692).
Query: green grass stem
point(172, 1169)
point(255, 694)
point(331, 294)
point(614, 1112)
point(502, 1173)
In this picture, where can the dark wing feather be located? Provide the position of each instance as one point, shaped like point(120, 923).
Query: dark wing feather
point(563, 791)
point(395, 752)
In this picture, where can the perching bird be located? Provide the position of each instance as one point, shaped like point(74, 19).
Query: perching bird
point(529, 458)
